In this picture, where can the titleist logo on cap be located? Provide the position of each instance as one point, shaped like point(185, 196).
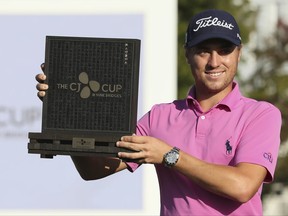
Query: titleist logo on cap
point(212, 24)
point(209, 21)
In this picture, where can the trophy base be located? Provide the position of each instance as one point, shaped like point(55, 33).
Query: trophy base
point(47, 147)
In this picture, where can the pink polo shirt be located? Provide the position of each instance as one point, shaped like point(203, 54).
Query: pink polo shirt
point(236, 130)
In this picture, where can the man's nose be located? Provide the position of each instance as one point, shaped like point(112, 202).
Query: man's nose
point(214, 59)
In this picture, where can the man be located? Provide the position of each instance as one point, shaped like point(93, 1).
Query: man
point(213, 150)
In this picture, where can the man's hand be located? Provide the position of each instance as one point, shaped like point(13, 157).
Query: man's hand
point(41, 86)
point(148, 149)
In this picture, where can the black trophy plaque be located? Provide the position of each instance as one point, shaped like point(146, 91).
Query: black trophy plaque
point(92, 96)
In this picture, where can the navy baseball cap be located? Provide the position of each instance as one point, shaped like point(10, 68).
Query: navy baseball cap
point(211, 24)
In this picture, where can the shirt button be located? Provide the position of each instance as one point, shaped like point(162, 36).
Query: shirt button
point(202, 117)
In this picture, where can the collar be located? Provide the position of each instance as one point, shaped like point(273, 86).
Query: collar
point(230, 101)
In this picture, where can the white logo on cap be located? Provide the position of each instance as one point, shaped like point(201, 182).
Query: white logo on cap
point(239, 37)
point(208, 21)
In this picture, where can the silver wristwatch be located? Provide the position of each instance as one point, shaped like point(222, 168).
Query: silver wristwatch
point(171, 157)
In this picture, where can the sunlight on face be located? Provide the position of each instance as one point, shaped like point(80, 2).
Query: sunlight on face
point(214, 65)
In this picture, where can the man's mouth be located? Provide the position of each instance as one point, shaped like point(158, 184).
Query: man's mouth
point(214, 74)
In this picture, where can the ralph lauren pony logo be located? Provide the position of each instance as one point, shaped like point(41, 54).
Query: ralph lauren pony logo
point(229, 148)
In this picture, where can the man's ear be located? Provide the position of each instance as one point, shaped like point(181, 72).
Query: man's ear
point(187, 55)
point(240, 52)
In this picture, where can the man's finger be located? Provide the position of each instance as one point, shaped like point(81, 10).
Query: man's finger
point(42, 87)
point(134, 139)
point(133, 156)
point(41, 94)
point(42, 66)
point(40, 77)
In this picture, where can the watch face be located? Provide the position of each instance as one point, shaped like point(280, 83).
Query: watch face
point(172, 157)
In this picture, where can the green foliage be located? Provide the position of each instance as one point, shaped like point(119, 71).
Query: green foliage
point(269, 83)
point(270, 78)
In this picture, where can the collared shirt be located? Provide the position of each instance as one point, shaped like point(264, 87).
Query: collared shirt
point(237, 129)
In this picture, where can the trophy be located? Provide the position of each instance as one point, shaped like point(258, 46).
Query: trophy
point(92, 97)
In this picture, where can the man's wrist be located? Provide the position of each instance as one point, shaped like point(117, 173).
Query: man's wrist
point(171, 158)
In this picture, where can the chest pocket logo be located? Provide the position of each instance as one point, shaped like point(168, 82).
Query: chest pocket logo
point(229, 148)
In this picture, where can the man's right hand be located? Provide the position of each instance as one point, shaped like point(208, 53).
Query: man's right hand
point(41, 86)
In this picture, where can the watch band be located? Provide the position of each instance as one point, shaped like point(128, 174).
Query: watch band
point(175, 149)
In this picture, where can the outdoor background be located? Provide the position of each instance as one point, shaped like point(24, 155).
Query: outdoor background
point(30, 185)
point(263, 71)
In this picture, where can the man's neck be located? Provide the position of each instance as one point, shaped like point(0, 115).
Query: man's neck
point(208, 103)
point(210, 99)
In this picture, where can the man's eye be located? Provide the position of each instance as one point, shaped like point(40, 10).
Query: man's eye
point(202, 51)
point(226, 50)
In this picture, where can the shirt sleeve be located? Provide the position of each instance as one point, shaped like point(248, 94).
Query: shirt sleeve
point(142, 129)
point(261, 139)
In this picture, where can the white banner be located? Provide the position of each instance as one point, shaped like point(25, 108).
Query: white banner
point(34, 186)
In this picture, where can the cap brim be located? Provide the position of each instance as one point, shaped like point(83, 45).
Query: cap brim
point(203, 38)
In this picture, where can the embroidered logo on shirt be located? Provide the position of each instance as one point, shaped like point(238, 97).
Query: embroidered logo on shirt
point(268, 156)
point(228, 147)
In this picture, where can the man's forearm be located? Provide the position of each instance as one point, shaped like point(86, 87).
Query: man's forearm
point(238, 183)
point(96, 167)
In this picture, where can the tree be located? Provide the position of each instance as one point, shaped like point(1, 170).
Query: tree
point(269, 83)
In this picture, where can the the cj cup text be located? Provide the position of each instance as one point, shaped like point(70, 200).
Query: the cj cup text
point(77, 87)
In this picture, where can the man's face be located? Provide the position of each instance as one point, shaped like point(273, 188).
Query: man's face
point(214, 64)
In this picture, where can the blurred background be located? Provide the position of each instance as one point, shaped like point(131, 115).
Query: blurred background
point(34, 186)
point(30, 185)
point(263, 71)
